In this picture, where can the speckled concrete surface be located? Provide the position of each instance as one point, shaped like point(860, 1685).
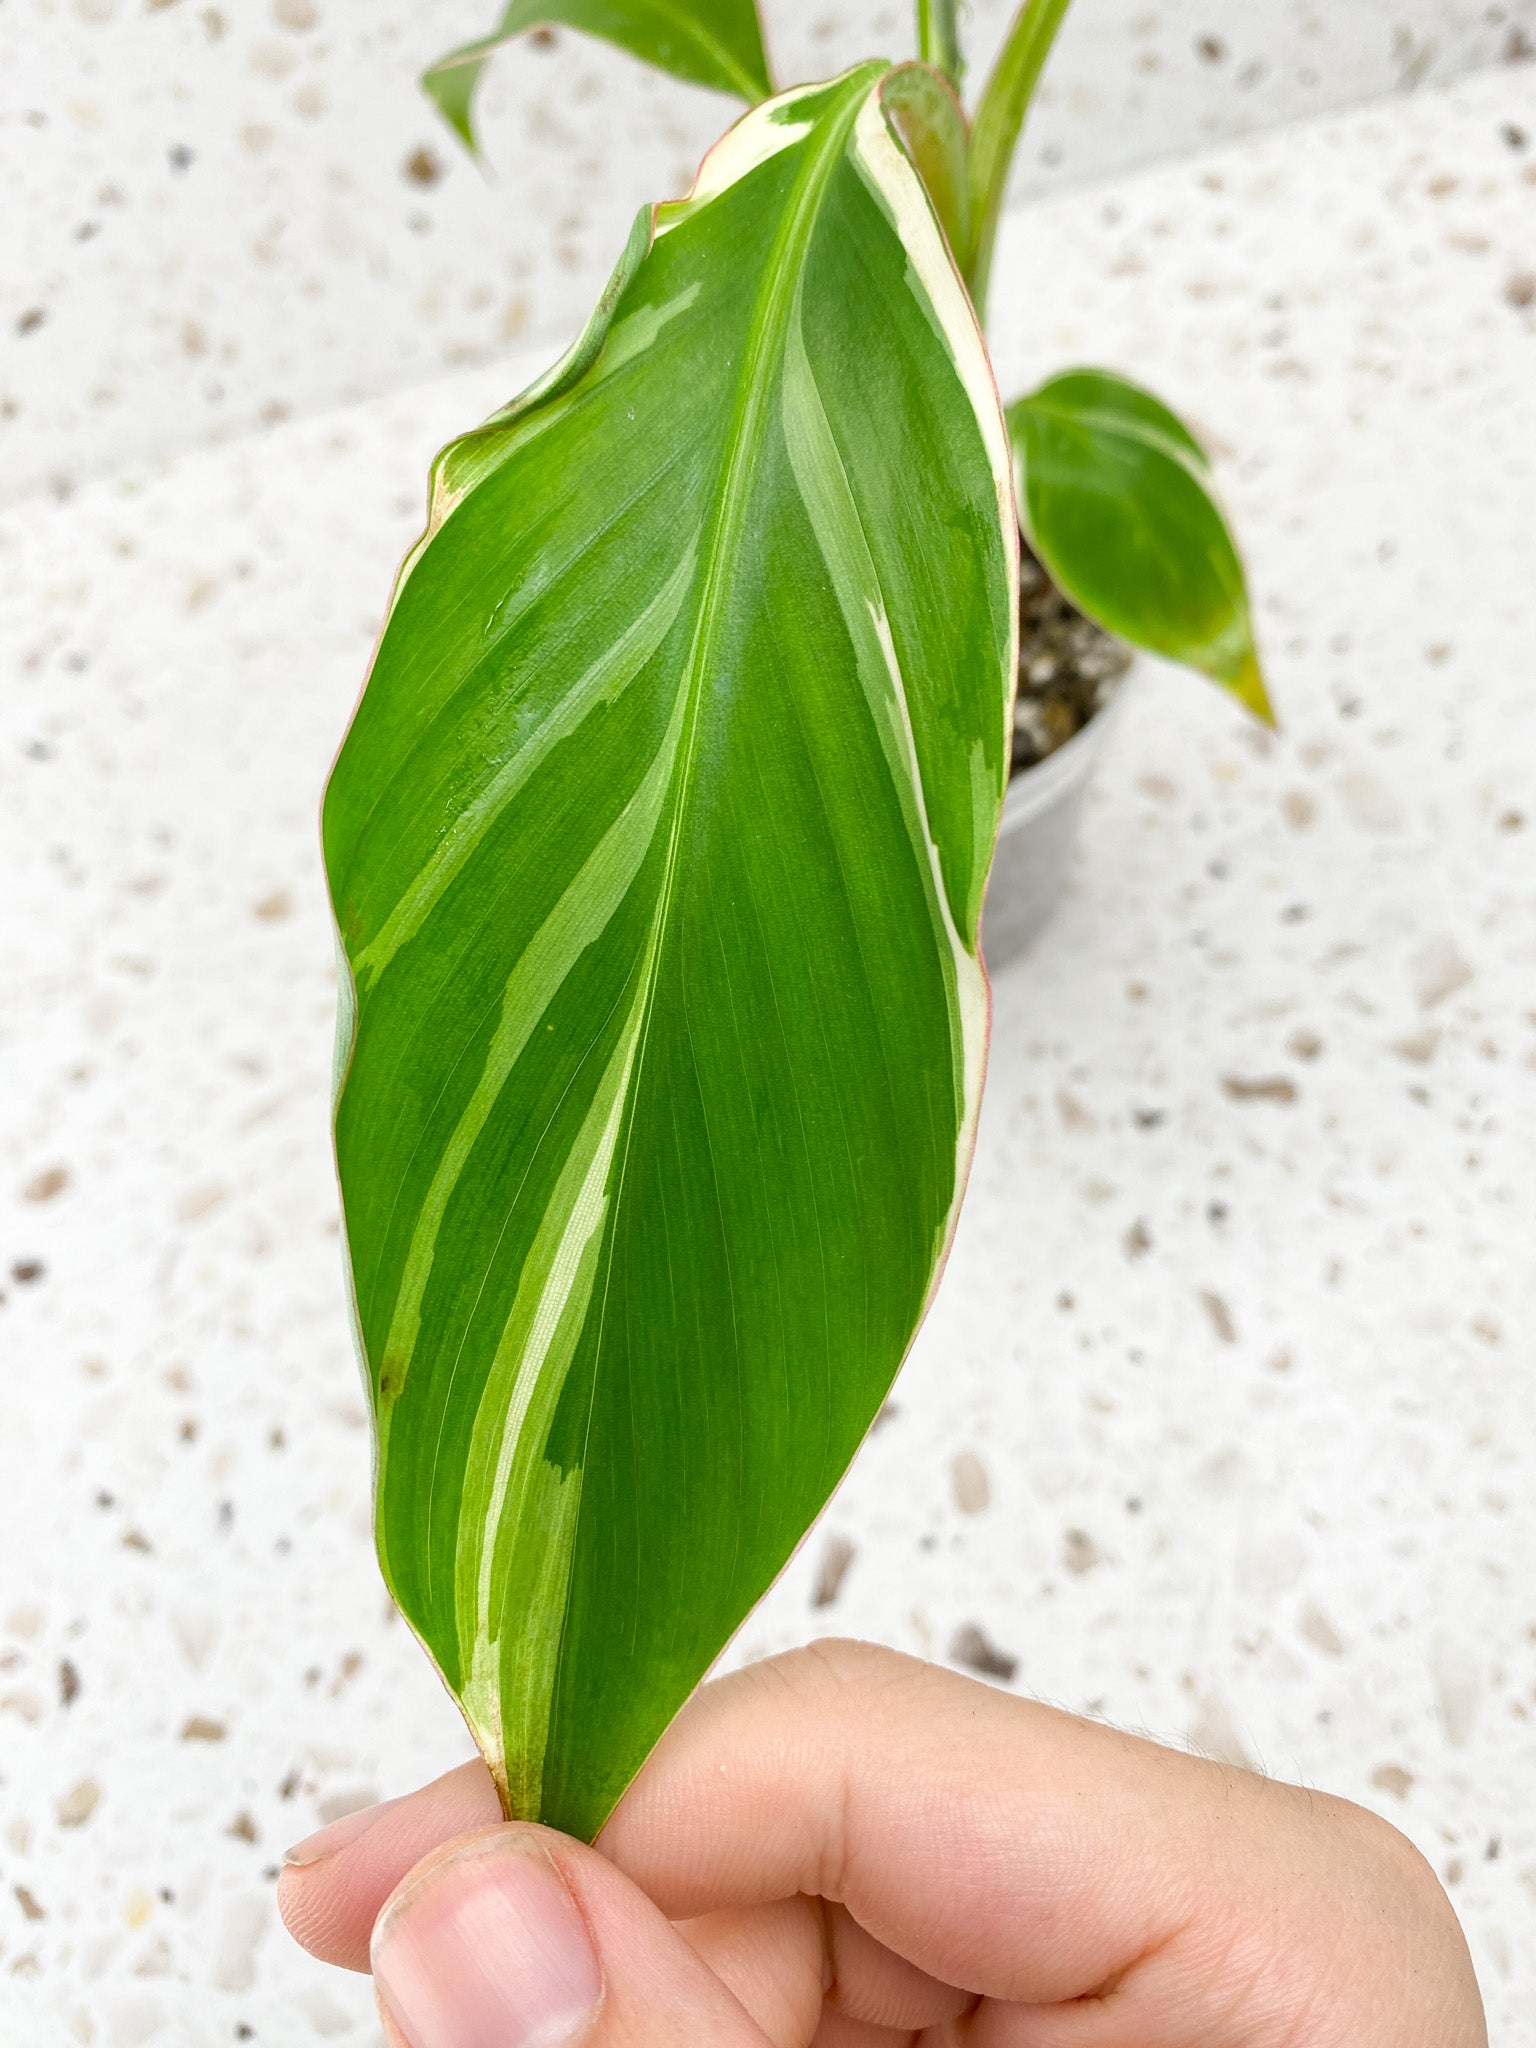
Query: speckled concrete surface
point(223, 215)
point(1224, 1425)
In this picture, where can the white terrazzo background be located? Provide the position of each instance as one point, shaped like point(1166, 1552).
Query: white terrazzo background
point(1224, 1425)
point(220, 216)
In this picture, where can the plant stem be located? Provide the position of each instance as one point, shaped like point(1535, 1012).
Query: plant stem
point(938, 38)
point(999, 120)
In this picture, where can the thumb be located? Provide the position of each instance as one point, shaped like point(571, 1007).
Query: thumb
point(517, 1937)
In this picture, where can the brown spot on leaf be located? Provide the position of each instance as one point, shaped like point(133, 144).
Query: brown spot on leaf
point(42, 1187)
point(1137, 1240)
point(1394, 1779)
point(31, 1910)
point(278, 905)
point(1304, 1045)
point(202, 1728)
point(69, 1682)
point(1521, 290)
point(1079, 1552)
point(242, 1827)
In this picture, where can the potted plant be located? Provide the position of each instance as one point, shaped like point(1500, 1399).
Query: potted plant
point(657, 848)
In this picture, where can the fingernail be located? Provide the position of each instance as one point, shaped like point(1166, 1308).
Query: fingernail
point(315, 1848)
point(488, 1950)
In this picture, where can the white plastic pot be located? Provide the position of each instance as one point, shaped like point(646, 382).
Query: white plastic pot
point(1038, 837)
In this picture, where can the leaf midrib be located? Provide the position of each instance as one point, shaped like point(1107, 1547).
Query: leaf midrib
point(1129, 428)
point(769, 327)
point(767, 332)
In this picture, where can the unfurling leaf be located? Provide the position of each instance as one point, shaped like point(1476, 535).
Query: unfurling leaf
point(657, 849)
point(1118, 503)
point(926, 114)
point(717, 43)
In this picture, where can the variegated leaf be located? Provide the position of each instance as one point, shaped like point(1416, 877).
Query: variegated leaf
point(657, 849)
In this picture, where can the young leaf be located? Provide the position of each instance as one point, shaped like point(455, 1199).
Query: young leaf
point(926, 114)
point(657, 848)
point(706, 42)
point(1119, 505)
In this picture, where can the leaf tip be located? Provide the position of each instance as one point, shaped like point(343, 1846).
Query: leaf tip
point(450, 86)
point(1249, 688)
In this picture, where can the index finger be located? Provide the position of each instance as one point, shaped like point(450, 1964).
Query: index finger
point(997, 1843)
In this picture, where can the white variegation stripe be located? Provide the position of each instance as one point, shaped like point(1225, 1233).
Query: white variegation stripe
point(891, 177)
point(936, 284)
point(517, 1523)
point(829, 501)
point(607, 679)
point(637, 332)
point(755, 139)
point(577, 920)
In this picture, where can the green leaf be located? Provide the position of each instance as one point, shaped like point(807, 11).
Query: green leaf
point(717, 43)
point(938, 39)
point(657, 848)
point(1118, 503)
point(999, 121)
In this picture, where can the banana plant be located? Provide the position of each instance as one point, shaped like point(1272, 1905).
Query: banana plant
point(657, 848)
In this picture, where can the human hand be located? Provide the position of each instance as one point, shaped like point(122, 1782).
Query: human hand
point(849, 1849)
